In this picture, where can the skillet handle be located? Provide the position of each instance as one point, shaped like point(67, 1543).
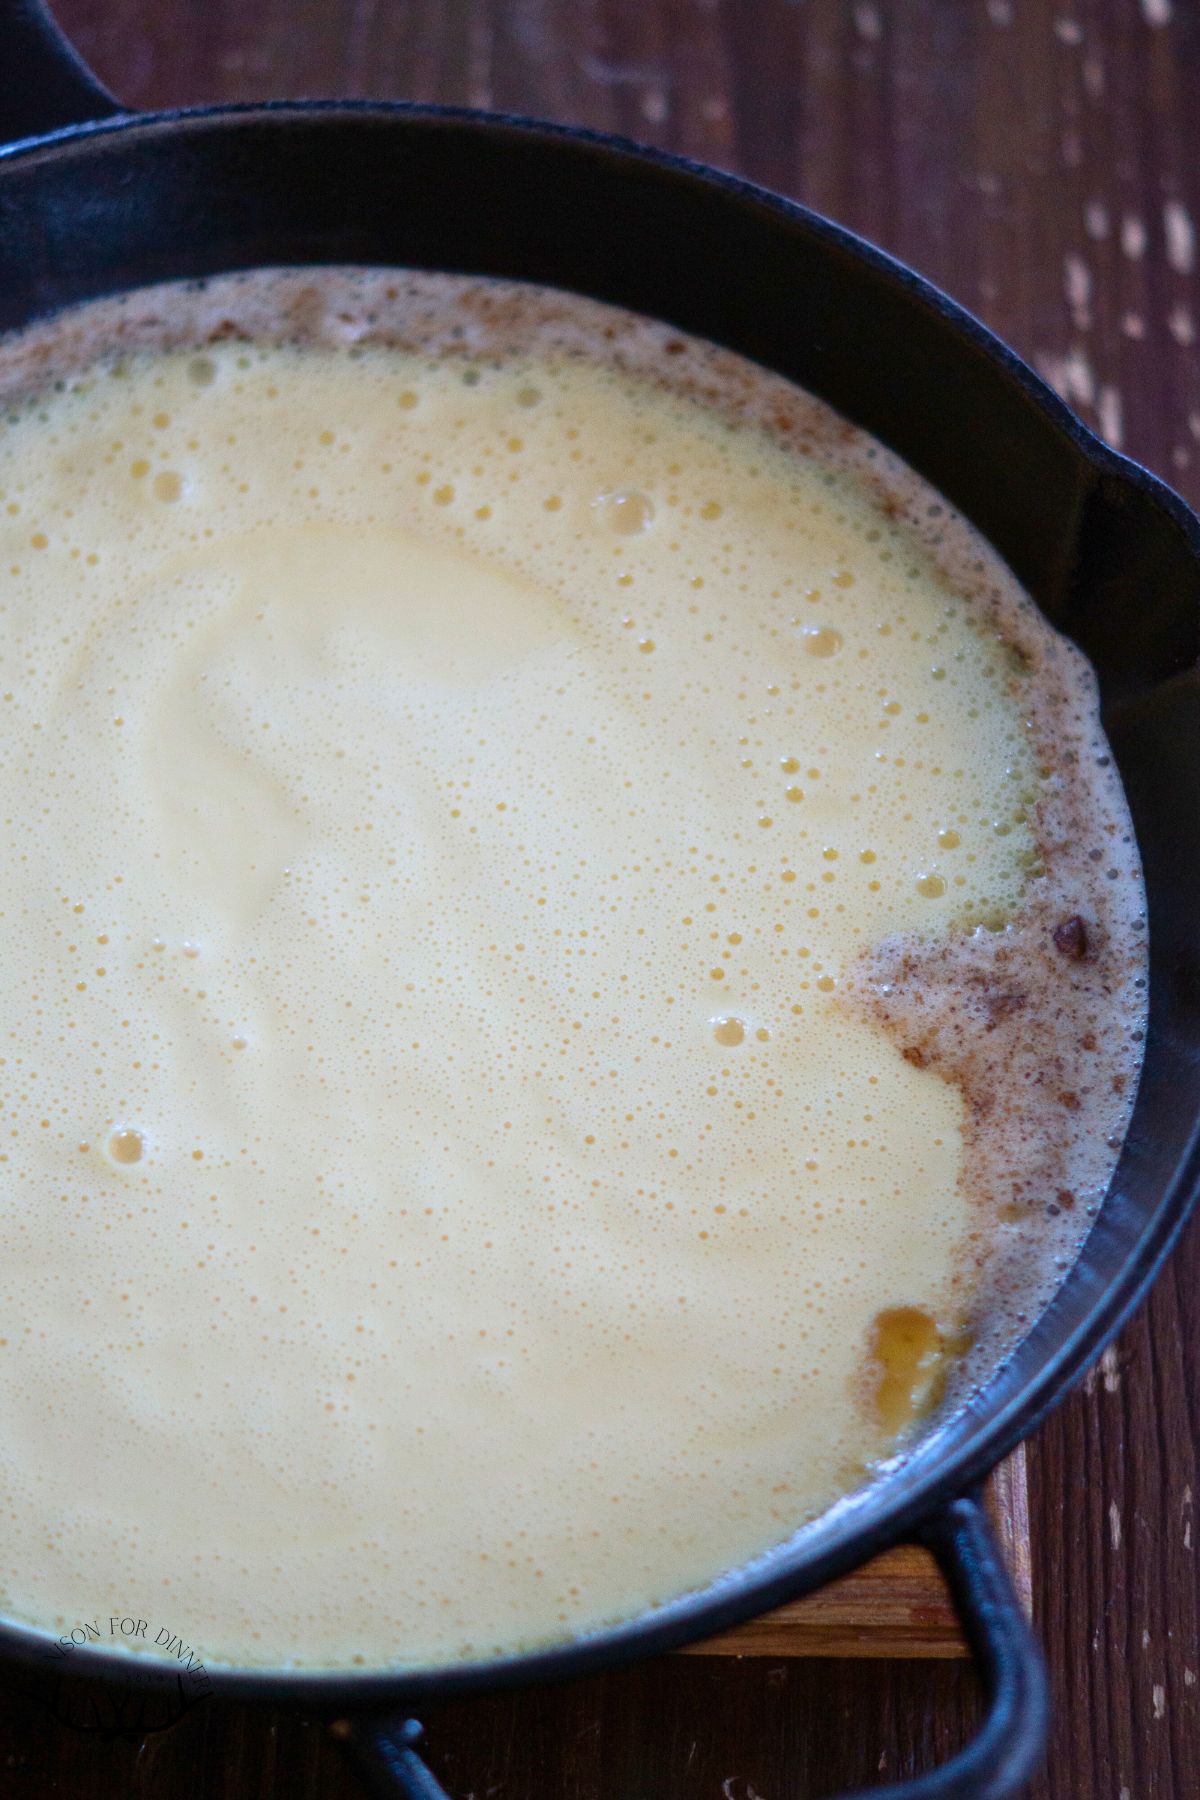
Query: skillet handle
point(385, 1753)
point(995, 1765)
point(1008, 1747)
point(44, 83)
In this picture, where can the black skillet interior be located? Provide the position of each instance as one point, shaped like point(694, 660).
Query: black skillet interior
point(1111, 555)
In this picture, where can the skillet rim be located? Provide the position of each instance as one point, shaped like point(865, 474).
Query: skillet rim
point(953, 313)
point(885, 1511)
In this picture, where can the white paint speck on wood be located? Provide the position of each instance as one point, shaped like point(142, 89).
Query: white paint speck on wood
point(1112, 416)
point(1072, 375)
point(1181, 237)
point(1181, 326)
point(1133, 237)
point(1095, 219)
point(867, 22)
point(1077, 286)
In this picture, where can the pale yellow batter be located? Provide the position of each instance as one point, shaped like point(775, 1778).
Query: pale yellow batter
point(444, 1203)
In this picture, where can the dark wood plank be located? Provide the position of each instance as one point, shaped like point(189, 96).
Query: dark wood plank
point(1036, 157)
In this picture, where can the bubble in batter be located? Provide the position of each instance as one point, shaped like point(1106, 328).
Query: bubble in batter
point(126, 1145)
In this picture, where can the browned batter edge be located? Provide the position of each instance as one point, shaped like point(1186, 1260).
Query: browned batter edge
point(1039, 1019)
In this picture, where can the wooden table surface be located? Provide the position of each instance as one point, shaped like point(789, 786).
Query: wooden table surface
point(1037, 159)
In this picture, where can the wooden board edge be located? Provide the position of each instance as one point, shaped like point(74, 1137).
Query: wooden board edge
point(896, 1606)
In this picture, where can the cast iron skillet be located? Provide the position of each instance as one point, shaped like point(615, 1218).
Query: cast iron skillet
point(94, 200)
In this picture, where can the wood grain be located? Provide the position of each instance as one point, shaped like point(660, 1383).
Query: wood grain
point(1038, 159)
point(897, 1606)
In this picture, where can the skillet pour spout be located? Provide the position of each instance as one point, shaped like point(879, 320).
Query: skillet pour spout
point(95, 200)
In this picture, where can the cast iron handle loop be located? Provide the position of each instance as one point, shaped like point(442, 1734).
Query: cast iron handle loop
point(386, 1756)
point(995, 1765)
point(1006, 1750)
point(44, 83)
